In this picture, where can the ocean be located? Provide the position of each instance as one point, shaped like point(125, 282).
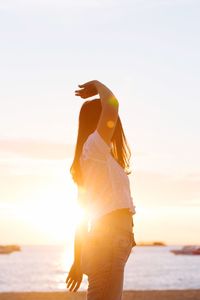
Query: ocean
point(44, 268)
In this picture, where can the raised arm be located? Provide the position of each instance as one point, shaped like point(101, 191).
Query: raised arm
point(110, 105)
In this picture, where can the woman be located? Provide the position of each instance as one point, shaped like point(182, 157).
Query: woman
point(104, 240)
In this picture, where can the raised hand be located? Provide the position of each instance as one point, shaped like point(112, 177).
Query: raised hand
point(87, 89)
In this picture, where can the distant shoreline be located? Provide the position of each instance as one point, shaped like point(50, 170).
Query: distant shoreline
point(127, 295)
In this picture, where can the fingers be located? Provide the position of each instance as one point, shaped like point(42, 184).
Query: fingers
point(87, 90)
point(69, 276)
point(86, 84)
point(77, 286)
point(81, 93)
point(69, 281)
point(73, 285)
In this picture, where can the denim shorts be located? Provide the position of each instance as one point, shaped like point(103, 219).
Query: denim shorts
point(104, 255)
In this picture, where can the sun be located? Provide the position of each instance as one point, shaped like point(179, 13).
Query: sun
point(54, 211)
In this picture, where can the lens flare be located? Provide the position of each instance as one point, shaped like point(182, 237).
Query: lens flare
point(113, 101)
point(110, 124)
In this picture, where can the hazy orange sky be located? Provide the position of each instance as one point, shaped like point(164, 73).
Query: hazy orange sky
point(147, 52)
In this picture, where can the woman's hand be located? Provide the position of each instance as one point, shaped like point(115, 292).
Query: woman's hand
point(74, 277)
point(88, 89)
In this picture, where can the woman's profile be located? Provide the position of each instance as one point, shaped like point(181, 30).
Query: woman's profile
point(105, 238)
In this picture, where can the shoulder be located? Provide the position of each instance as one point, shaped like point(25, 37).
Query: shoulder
point(95, 147)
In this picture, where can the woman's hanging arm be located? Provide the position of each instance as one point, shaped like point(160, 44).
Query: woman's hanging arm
point(75, 274)
point(80, 234)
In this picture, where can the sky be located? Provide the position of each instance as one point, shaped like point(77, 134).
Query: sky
point(147, 53)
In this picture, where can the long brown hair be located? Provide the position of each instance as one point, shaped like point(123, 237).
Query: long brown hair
point(88, 119)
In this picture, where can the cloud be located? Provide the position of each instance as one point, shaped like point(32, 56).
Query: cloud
point(193, 176)
point(36, 149)
point(14, 187)
point(155, 189)
point(24, 157)
point(148, 189)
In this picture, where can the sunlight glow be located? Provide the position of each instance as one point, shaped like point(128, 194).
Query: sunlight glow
point(53, 211)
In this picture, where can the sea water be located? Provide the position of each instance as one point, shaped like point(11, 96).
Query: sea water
point(44, 268)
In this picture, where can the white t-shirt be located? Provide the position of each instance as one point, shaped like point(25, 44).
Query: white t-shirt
point(106, 186)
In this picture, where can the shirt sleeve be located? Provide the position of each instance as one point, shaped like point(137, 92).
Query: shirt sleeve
point(95, 148)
